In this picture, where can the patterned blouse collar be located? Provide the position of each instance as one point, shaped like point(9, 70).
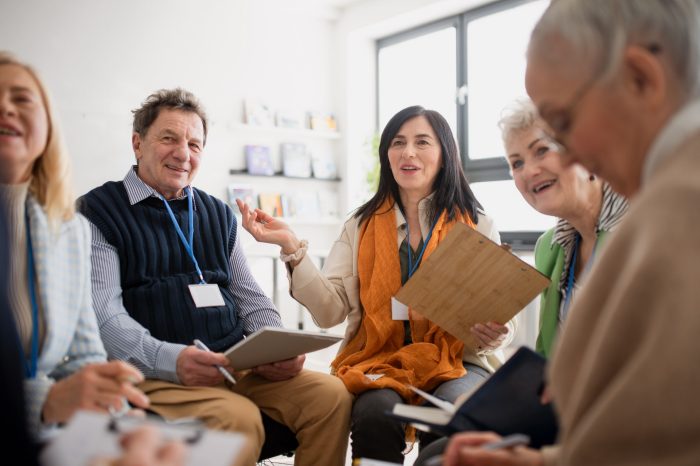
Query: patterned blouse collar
point(613, 208)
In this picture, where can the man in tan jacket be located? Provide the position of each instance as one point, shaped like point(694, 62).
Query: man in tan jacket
point(619, 82)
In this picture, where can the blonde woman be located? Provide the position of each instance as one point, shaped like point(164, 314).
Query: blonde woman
point(49, 289)
point(586, 208)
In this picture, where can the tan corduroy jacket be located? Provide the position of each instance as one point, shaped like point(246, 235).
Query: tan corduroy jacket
point(625, 376)
point(334, 294)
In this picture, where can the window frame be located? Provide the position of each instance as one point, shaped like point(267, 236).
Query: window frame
point(478, 170)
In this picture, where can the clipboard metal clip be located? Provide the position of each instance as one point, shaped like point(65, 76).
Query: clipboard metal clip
point(189, 431)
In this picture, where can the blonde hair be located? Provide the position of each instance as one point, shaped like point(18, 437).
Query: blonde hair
point(51, 181)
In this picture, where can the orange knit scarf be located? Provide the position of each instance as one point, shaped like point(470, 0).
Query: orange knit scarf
point(435, 356)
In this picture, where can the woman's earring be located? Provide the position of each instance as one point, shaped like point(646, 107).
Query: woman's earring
point(591, 177)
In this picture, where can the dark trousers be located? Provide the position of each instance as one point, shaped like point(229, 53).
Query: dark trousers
point(375, 435)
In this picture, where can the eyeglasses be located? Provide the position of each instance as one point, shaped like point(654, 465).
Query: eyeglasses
point(561, 120)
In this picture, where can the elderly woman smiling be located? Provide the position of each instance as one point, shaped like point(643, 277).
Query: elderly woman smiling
point(586, 208)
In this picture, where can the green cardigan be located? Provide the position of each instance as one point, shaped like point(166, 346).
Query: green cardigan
point(549, 260)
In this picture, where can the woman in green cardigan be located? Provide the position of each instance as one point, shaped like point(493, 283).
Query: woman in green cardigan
point(587, 209)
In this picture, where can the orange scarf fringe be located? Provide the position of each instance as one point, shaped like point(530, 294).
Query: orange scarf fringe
point(434, 357)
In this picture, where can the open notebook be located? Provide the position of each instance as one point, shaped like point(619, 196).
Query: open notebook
point(506, 403)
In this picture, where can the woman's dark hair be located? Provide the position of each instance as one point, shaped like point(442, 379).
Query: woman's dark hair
point(452, 192)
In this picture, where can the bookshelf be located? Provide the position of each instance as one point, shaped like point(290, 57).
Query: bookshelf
point(277, 131)
point(325, 211)
point(243, 172)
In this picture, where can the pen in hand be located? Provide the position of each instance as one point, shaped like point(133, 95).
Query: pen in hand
point(508, 441)
point(198, 343)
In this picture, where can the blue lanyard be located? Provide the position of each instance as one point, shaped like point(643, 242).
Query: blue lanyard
point(31, 365)
point(572, 271)
point(411, 266)
point(189, 245)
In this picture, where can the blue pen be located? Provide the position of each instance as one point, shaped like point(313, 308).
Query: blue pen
point(224, 372)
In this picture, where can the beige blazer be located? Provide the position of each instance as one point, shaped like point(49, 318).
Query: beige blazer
point(625, 376)
point(333, 295)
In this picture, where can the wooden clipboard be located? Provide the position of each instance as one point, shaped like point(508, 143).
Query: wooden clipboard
point(469, 279)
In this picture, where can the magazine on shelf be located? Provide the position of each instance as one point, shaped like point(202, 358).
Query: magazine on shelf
point(323, 165)
point(244, 192)
point(258, 113)
point(291, 119)
point(296, 161)
point(322, 122)
point(259, 160)
point(304, 204)
point(328, 203)
point(271, 204)
point(508, 402)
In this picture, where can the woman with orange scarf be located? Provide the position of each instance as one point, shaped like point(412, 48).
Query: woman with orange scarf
point(422, 193)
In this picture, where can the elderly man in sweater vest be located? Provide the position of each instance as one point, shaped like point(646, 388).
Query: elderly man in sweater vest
point(154, 237)
point(619, 82)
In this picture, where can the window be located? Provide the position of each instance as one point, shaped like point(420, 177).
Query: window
point(469, 67)
point(419, 70)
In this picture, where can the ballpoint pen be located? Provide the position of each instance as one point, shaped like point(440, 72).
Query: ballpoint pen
point(224, 372)
point(508, 441)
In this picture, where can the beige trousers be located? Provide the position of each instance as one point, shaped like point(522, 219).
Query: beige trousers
point(315, 406)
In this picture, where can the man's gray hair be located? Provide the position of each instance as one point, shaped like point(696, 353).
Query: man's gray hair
point(519, 116)
point(597, 32)
point(173, 99)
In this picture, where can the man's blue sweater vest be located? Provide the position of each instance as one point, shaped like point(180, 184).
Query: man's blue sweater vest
point(155, 269)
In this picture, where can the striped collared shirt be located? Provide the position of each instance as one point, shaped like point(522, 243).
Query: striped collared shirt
point(612, 210)
point(126, 339)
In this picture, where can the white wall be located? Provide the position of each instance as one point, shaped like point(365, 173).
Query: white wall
point(101, 58)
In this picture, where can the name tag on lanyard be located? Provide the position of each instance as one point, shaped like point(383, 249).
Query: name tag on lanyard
point(206, 295)
point(203, 294)
point(399, 311)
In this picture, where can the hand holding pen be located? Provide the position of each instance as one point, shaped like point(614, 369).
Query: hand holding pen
point(197, 366)
point(227, 375)
point(487, 448)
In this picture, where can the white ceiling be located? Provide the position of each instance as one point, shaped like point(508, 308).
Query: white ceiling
point(329, 3)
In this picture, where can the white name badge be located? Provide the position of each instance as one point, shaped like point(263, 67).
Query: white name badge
point(206, 295)
point(399, 311)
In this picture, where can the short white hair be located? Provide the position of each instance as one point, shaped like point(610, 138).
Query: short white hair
point(597, 31)
point(520, 115)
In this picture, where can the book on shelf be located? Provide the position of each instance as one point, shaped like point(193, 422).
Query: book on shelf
point(328, 204)
point(259, 160)
point(271, 204)
point(258, 113)
point(291, 119)
point(322, 122)
point(244, 192)
point(323, 165)
point(304, 204)
point(296, 161)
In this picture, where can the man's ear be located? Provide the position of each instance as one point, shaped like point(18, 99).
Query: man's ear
point(136, 145)
point(645, 76)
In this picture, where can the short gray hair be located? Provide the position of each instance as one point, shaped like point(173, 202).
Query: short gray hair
point(519, 116)
point(599, 30)
point(173, 99)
